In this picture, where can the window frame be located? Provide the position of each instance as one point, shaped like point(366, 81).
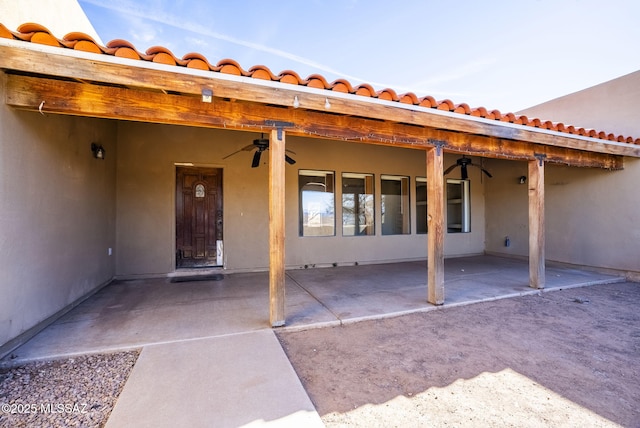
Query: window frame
point(302, 214)
point(462, 200)
point(368, 210)
point(418, 204)
point(405, 203)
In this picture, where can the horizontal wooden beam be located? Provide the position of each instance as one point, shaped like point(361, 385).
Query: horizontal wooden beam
point(174, 79)
point(74, 98)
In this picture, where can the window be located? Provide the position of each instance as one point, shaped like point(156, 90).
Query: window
point(357, 205)
point(421, 205)
point(395, 205)
point(316, 203)
point(458, 206)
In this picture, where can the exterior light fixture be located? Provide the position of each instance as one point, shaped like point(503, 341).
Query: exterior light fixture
point(296, 102)
point(522, 179)
point(207, 95)
point(327, 104)
point(97, 150)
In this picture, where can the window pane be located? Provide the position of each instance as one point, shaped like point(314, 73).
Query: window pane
point(316, 203)
point(357, 204)
point(421, 205)
point(395, 205)
point(458, 206)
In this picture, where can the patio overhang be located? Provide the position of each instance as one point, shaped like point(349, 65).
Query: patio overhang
point(52, 80)
point(85, 84)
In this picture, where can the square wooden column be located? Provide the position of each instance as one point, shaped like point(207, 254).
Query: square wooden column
point(276, 228)
point(435, 224)
point(536, 224)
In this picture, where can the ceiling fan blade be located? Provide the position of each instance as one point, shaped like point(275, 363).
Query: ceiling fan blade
point(448, 170)
point(245, 148)
point(289, 160)
point(256, 159)
point(482, 169)
point(290, 151)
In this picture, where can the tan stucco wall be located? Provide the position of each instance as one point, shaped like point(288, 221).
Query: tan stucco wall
point(146, 196)
point(57, 214)
point(591, 214)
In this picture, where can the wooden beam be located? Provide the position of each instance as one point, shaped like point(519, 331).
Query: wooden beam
point(63, 97)
point(536, 224)
point(276, 228)
point(175, 79)
point(435, 223)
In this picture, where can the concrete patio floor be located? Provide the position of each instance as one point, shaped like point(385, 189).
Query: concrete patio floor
point(208, 355)
point(137, 313)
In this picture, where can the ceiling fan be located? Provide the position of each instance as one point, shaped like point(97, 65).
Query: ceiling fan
point(260, 145)
point(463, 162)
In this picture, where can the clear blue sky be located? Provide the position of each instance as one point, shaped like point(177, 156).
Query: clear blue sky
point(500, 54)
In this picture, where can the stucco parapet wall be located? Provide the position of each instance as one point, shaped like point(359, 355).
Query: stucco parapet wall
point(340, 98)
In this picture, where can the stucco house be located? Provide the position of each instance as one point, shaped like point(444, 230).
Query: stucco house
point(118, 163)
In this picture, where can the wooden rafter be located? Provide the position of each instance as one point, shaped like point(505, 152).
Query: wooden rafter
point(174, 80)
point(143, 76)
point(74, 98)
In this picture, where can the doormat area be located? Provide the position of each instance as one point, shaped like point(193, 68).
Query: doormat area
point(191, 278)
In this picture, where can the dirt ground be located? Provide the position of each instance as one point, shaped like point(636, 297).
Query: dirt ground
point(560, 359)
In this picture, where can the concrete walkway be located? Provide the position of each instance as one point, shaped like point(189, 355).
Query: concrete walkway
point(208, 353)
point(229, 381)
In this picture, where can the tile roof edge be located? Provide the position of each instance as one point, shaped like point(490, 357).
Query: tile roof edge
point(176, 65)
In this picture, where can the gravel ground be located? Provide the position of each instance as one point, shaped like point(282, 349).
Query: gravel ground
point(72, 392)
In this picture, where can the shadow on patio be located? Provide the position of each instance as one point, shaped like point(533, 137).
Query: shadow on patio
point(132, 314)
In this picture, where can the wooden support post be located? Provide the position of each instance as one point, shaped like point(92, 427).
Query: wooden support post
point(536, 224)
point(276, 228)
point(435, 224)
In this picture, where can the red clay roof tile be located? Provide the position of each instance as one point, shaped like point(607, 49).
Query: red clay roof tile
point(198, 61)
point(261, 72)
point(36, 33)
point(162, 55)
point(408, 98)
point(388, 94)
point(288, 76)
point(342, 85)
point(125, 52)
point(124, 49)
point(479, 112)
point(5, 33)
point(463, 109)
point(86, 46)
point(365, 90)
point(428, 101)
point(317, 81)
point(229, 66)
point(44, 39)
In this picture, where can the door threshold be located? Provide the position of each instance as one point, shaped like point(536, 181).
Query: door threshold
point(195, 271)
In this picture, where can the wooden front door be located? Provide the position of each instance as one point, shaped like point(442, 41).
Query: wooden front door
point(198, 216)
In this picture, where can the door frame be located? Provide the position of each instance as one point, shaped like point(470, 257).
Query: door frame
point(222, 258)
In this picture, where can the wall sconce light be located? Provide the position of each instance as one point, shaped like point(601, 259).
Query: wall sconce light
point(327, 104)
point(296, 102)
point(207, 95)
point(522, 179)
point(97, 150)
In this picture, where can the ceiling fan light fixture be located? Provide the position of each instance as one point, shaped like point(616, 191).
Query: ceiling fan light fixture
point(463, 162)
point(260, 145)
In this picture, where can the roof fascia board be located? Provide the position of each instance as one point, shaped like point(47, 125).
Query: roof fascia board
point(298, 90)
